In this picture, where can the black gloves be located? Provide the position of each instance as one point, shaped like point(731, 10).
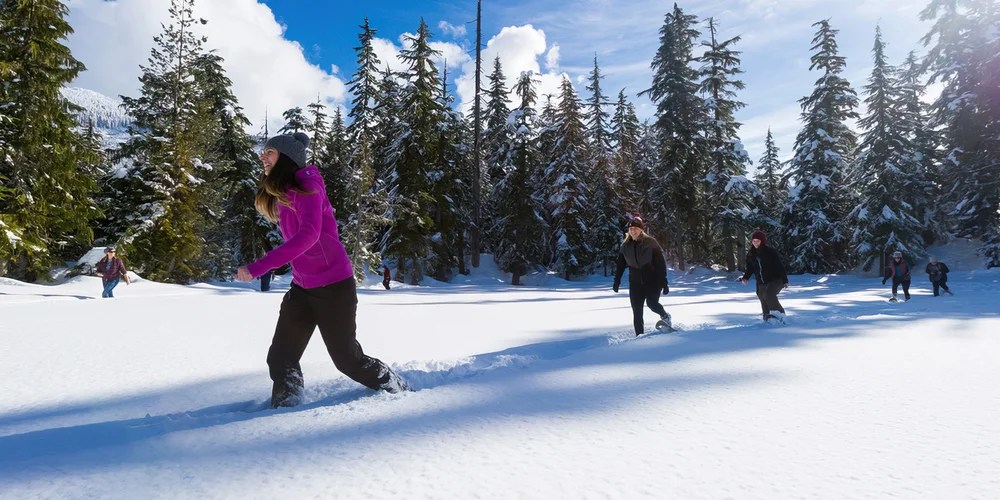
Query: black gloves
point(883, 280)
point(615, 286)
point(666, 288)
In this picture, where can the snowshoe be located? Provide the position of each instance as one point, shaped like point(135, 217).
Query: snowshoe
point(665, 324)
point(893, 299)
point(393, 383)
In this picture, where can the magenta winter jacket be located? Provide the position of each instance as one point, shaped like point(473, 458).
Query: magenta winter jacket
point(312, 243)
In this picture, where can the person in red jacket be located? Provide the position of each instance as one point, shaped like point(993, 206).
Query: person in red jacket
point(899, 271)
point(323, 292)
point(112, 269)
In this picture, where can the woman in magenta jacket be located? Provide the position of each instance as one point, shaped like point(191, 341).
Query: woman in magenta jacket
point(323, 291)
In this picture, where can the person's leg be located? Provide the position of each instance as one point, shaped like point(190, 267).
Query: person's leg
point(762, 297)
point(936, 285)
point(335, 307)
point(906, 289)
point(895, 286)
point(771, 296)
point(265, 281)
point(653, 302)
point(291, 336)
point(944, 285)
point(636, 297)
point(109, 287)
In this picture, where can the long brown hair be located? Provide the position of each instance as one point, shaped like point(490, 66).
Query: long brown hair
point(274, 187)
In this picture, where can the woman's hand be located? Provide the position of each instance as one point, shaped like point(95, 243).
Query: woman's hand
point(242, 274)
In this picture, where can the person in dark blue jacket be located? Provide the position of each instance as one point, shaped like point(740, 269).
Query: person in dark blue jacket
point(764, 264)
point(647, 274)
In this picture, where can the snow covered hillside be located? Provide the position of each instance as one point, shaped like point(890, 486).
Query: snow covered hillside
point(538, 391)
point(108, 117)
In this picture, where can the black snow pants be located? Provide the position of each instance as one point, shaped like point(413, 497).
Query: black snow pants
point(332, 308)
point(768, 295)
point(638, 292)
point(941, 284)
point(906, 287)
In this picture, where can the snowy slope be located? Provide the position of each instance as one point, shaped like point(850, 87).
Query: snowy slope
point(531, 392)
point(108, 117)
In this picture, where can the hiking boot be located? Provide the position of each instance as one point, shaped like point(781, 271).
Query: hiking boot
point(288, 392)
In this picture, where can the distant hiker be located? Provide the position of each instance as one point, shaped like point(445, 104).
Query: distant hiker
point(323, 291)
point(647, 274)
point(764, 264)
point(899, 271)
point(111, 268)
point(265, 281)
point(938, 274)
point(385, 277)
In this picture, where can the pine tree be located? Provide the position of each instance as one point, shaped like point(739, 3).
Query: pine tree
point(414, 136)
point(295, 121)
point(677, 190)
point(363, 204)
point(927, 201)
point(888, 171)
point(567, 190)
point(167, 184)
point(814, 218)
point(46, 163)
point(625, 136)
point(519, 223)
point(605, 218)
point(451, 189)
point(496, 141)
point(965, 57)
point(334, 161)
point(316, 127)
point(729, 192)
point(244, 235)
point(774, 189)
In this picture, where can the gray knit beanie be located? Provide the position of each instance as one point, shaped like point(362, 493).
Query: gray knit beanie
point(291, 145)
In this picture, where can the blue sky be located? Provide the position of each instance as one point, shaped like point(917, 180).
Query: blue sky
point(282, 53)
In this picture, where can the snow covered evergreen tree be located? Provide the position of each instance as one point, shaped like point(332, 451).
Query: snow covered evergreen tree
point(519, 226)
point(244, 235)
point(814, 217)
point(46, 164)
point(171, 206)
point(414, 137)
point(625, 135)
point(605, 218)
point(316, 127)
point(295, 121)
point(965, 57)
point(678, 215)
point(888, 172)
point(495, 143)
point(364, 205)
point(928, 204)
point(772, 185)
point(729, 193)
point(566, 187)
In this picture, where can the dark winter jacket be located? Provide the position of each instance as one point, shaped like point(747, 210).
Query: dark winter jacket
point(110, 269)
point(898, 270)
point(937, 271)
point(764, 264)
point(644, 259)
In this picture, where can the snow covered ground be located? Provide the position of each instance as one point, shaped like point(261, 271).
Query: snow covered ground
point(538, 391)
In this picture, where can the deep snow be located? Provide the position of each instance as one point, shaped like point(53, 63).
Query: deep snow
point(537, 391)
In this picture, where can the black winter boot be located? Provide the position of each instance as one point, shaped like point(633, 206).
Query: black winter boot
point(288, 392)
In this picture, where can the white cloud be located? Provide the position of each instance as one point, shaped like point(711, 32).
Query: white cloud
point(268, 71)
point(451, 29)
point(519, 48)
point(552, 57)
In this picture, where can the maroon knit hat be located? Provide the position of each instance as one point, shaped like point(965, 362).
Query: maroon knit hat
point(637, 222)
point(759, 235)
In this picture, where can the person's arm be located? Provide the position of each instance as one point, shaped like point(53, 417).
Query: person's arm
point(619, 271)
point(944, 268)
point(751, 264)
point(308, 207)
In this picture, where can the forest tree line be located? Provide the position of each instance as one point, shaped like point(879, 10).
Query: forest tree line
point(560, 174)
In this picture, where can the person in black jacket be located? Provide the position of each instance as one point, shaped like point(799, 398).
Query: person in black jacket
point(647, 274)
point(938, 274)
point(764, 263)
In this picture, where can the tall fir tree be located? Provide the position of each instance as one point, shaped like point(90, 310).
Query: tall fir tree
point(317, 128)
point(295, 121)
point(677, 188)
point(964, 57)
point(364, 205)
point(928, 204)
point(814, 220)
point(414, 137)
point(166, 185)
point(567, 190)
point(729, 193)
point(47, 166)
point(605, 219)
point(625, 136)
point(245, 235)
point(773, 187)
point(888, 172)
point(495, 143)
point(519, 222)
